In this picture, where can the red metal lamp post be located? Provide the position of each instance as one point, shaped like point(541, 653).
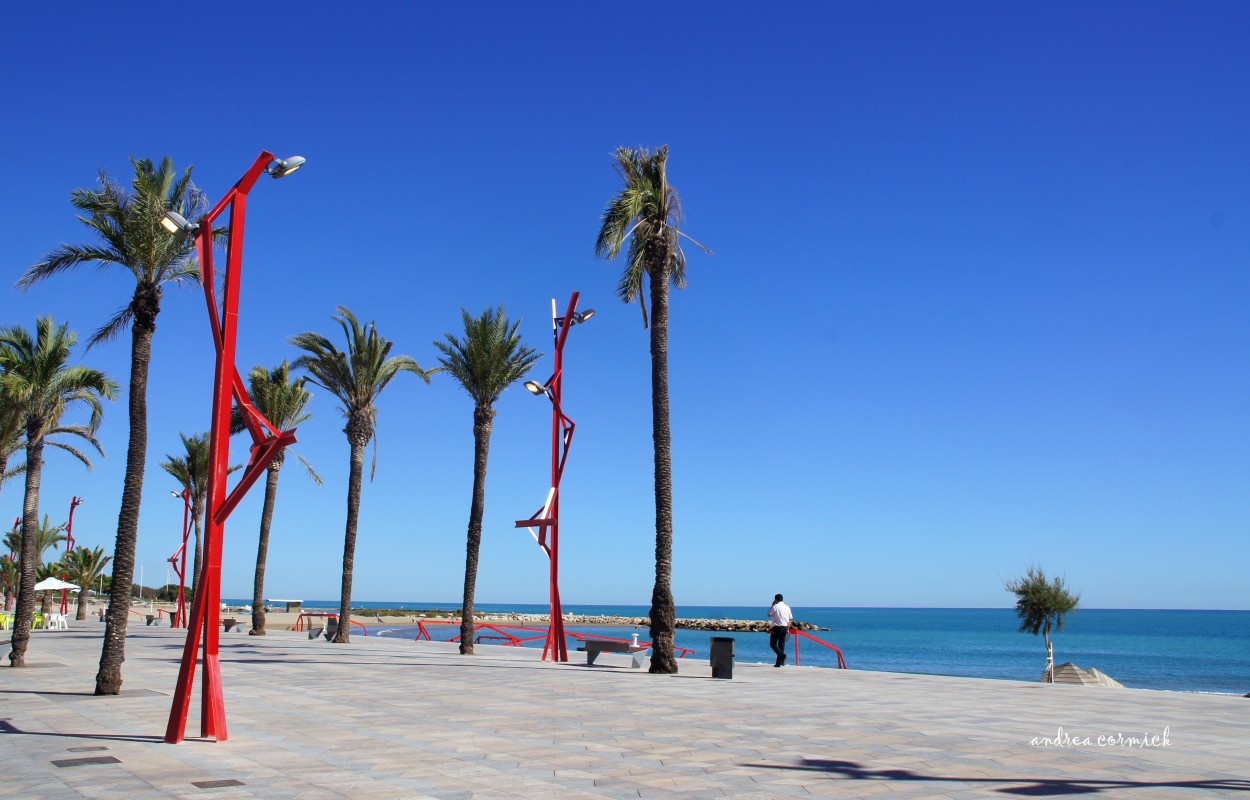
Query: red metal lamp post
point(547, 518)
point(74, 502)
point(267, 442)
point(180, 610)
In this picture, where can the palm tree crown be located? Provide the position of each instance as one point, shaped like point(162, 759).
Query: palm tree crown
point(357, 375)
point(647, 212)
point(489, 358)
point(36, 379)
point(131, 237)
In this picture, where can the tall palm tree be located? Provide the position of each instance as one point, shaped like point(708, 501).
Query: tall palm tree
point(647, 212)
point(36, 376)
point(489, 359)
point(356, 377)
point(84, 566)
point(283, 402)
point(130, 236)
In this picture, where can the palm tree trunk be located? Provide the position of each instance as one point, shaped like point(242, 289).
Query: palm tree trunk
point(262, 549)
point(109, 678)
point(24, 616)
point(663, 608)
point(358, 435)
point(82, 604)
point(197, 520)
point(483, 424)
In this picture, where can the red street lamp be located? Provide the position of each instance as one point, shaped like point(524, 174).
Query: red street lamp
point(547, 518)
point(180, 610)
point(267, 442)
point(74, 502)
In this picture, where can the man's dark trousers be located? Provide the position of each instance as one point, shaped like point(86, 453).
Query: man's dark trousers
point(777, 641)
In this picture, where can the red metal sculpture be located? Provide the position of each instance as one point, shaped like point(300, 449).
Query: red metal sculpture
point(267, 442)
point(74, 502)
point(179, 618)
point(547, 518)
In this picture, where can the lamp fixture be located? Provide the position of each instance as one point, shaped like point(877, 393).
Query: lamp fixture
point(580, 316)
point(282, 167)
point(535, 387)
point(177, 224)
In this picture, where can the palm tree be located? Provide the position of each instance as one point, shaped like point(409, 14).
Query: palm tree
point(84, 567)
point(489, 359)
point(356, 377)
point(282, 402)
point(36, 376)
point(10, 440)
point(46, 536)
point(1041, 604)
point(131, 237)
point(648, 210)
point(10, 576)
point(191, 471)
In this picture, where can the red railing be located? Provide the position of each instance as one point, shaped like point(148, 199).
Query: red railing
point(798, 634)
point(299, 621)
point(500, 634)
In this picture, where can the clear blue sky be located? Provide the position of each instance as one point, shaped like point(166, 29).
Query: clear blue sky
point(978, 299)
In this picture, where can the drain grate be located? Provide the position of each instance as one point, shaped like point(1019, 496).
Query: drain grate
point(217, 784)
point(85, 762)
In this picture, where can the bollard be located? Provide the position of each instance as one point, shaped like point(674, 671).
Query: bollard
point(722, 657)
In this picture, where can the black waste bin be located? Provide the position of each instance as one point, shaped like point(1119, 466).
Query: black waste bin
point(722, 657)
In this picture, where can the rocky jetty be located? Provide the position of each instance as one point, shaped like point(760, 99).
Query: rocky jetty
point(727, 625)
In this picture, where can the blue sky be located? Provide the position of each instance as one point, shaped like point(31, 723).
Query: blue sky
point(978, 296)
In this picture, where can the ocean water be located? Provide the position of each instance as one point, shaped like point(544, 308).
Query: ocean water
point(1193, 651)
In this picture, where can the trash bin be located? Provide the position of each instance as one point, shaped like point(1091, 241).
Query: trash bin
point(722, 657)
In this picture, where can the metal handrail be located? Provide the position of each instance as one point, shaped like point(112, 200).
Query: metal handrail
point(798, 633)
point(299, 621)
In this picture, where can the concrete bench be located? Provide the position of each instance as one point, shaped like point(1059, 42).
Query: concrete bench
point(314, 632)
point(227, 625)
point(594, 647)
point(151, 618)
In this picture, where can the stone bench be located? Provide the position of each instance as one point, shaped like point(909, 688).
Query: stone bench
point(594, 647)
point(228, 624)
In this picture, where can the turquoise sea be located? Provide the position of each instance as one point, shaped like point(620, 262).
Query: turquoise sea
point(1193, 651)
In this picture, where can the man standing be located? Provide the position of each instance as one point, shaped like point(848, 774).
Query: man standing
point(779, 615)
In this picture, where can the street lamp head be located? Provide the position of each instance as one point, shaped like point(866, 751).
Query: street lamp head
point(282, 167)
point(582, 316)
point(172, 493)
point(177, 224)
point(535, 387)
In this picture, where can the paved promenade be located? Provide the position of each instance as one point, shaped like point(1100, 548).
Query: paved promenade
point(384, 718)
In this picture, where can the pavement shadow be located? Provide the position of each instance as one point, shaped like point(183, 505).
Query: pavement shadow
point(7, 728)
point(1022, 787)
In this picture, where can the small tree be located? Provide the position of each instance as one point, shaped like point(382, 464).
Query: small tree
point(84, 566)
point(1042, 604)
